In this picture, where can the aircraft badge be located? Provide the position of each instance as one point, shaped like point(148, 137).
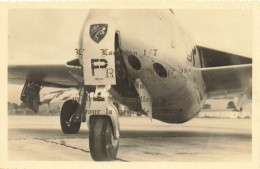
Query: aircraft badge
point(97, 32)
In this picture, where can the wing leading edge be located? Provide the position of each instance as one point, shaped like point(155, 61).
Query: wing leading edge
point(213, 58)
point(47, 75)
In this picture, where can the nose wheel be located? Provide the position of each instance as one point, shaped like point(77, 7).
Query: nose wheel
point(104, 132)
point(102, 143)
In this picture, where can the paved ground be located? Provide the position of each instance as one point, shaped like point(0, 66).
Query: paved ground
point(40, 138)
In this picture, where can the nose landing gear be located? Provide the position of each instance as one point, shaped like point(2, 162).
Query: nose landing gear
point(103, 146)
point(103, 126)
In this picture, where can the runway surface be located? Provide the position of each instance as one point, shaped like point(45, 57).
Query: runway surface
point(39, 138)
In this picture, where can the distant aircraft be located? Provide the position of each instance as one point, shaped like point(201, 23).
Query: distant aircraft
point(143, 59)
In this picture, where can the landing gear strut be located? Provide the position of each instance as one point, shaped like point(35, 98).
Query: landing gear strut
point(103, 126)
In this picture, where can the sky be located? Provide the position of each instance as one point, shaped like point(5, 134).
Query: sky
point(50, 36)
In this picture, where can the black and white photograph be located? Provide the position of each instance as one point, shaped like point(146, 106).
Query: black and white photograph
point(130, 85)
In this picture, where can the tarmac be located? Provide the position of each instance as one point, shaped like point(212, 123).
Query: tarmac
point(39, 138)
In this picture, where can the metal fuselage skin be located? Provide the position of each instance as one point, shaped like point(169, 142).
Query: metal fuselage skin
point(156, 37)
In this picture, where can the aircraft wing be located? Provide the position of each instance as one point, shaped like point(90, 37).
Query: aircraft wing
point(225, 74)
point(47, 75)
point(213, 58)
point(227, 80)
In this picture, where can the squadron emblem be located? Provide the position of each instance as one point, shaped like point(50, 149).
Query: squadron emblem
point(97, 32)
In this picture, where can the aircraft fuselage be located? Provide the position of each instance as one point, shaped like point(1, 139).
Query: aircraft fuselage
point(157, 50)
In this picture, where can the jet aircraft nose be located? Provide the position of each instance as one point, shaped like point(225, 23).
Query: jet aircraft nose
point(159, 77)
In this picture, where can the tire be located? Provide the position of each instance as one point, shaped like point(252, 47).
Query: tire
point(68, 108)
point(103, 146)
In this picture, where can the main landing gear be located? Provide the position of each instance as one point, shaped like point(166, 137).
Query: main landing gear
point(102, 119)
point(72, 114)
point(68, 109)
